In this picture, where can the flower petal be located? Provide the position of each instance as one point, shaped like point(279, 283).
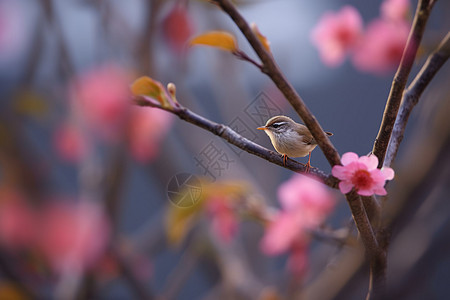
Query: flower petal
point(345, 187)
point(348, 158)
point(380, 191)
point(339, 172)
point(280, 234)
point(370, 161)
point(377, 177)
point(388, 173)
point(365, 192)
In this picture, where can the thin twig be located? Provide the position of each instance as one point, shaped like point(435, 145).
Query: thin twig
point(180, 275)
point(400, 79)
point(242, 55)
point(140, 288)
point(113, 187)
point(239, 141)
point(433, 64)
point(144, 49)
point(271, 69)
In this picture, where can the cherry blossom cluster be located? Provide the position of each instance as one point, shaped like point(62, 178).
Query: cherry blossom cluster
point(305, 204)
point(70, 236)
point(376, 49)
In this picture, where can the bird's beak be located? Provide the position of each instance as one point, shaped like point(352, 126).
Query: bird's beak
point(262, 128)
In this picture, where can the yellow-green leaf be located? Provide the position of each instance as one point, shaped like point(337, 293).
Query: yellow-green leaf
point(180, 220)
point(146, 86)
point(219, 39)
point(262, 39)
point(31, 104)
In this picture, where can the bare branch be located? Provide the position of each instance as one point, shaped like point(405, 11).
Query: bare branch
point(375, 254)
point(400, 79)
point(433, 64)
point(140, 288)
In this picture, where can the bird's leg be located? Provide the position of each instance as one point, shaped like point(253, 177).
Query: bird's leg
point(308, 165)
point(284, 159)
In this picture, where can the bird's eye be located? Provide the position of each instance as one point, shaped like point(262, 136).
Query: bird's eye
point(276, 125)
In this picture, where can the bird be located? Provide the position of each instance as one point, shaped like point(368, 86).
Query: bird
point(290, 138)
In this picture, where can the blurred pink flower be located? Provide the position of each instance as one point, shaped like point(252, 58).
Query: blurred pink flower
point(17, 221)
point(307, 197)
point(102, 96)
point(336, 34)
point(147, 128)
point(223, 219)
point(362, 174)
point(281, 233)
point(298, 260)
point(178, 28)
point(305, 205)
point(381, 48)
point(13, 31)
point(69, 143)
point(395, 10)
point(73, 236)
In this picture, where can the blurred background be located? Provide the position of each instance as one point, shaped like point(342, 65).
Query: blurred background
point(71, 146)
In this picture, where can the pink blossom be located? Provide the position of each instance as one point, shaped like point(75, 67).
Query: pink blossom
point(308, 197)
point(147, 128)
point(70, 143)
point(73, 235)
point(395, 10)
point(223, 219)
point(305, 205)
point(362, 174)
point(101, 95)
point(381, 48)
point(18, 222)
point(281, 233)
point(177, 28)
point(336, 34)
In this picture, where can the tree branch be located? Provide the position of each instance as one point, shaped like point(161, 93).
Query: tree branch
point(433, 64)
point(375, 254)
point(140, 288)
point(239, 141)
point(271, 69)
point(400, 79)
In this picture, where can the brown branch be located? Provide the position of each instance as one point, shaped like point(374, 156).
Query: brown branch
point(243, 56)
point(114, 179)
point(140, 288)
point(144, 49)
point(239, 141)
point(400, 79)
point(271, 69)
point(433, 64)
point(375, 254)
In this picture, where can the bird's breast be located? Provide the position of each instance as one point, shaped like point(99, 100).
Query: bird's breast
point(292, 146)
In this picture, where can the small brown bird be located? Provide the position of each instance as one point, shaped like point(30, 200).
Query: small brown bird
point(290, 138)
